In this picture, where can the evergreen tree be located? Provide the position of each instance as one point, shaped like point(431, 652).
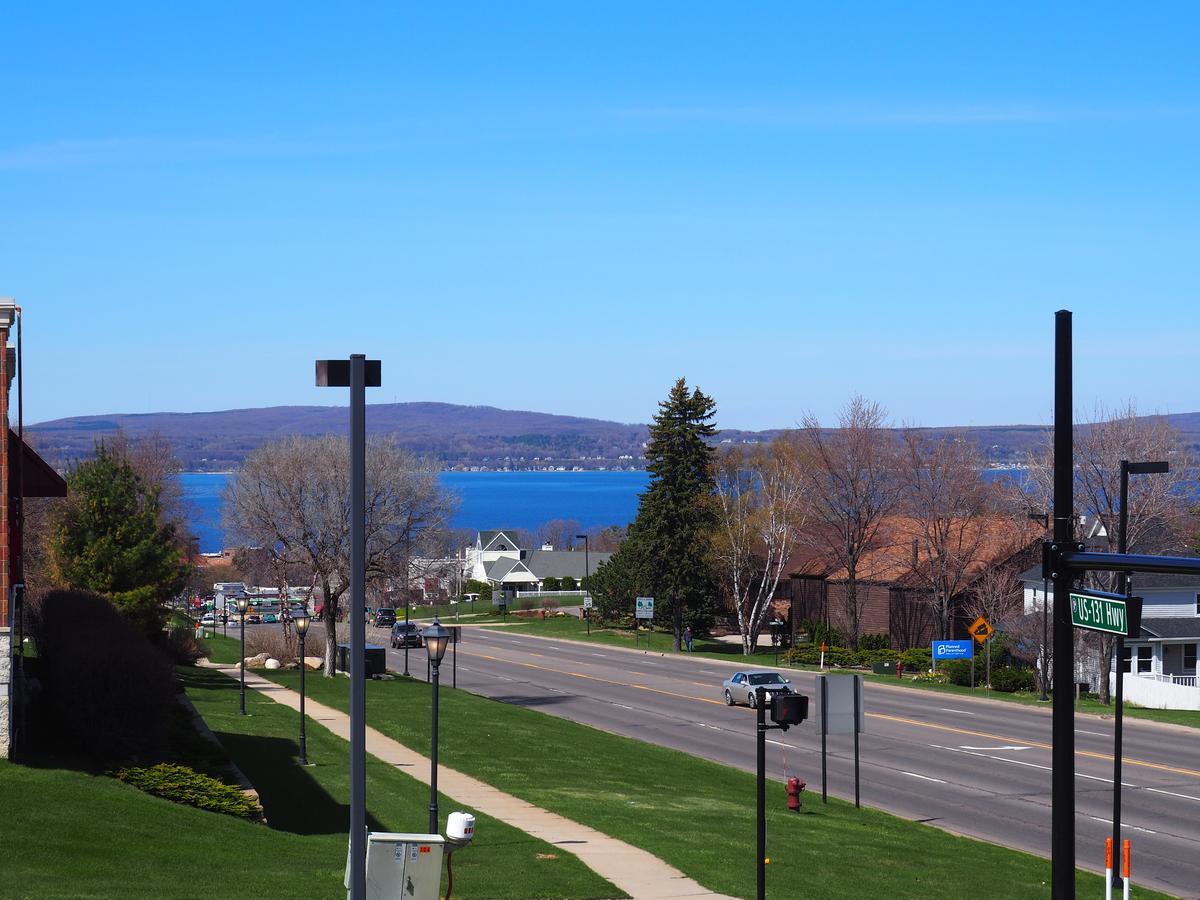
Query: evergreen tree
point(677, 515)
point(111, 537)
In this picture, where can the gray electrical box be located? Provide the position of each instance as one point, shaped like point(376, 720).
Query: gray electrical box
point(401, 866)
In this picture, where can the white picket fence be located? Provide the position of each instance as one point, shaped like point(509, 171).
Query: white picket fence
point(1155, 691)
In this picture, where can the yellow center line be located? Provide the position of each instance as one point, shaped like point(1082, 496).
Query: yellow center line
point(901, 719)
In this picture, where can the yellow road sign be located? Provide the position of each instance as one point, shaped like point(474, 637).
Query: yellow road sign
point(981, 630)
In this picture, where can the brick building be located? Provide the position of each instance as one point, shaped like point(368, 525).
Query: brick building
point(22, 474)
point(892, 587)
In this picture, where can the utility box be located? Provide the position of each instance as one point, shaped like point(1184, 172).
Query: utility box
point(374, 656)
point(407, 866)
point(887, 667)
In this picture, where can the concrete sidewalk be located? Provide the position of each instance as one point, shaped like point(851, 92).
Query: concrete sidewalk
point(630, 868)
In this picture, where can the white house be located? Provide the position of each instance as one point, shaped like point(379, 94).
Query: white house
point(496, 558)
point(1164, 651)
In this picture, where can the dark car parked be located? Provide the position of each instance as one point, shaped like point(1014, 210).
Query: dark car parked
point(385, 618)
point(406, 634)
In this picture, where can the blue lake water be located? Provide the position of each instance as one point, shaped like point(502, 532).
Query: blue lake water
point(489, 499)
point(486, 500)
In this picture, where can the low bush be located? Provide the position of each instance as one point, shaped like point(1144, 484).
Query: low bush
point(917, 659)
point(868, 658)
point(550, 604)
point(958, 671)
point(181, 646)
point(527, 603)
point(551, 584)
point(1010, 679)
point(803, 656)
point(569, 583)
point(874, 642)
point(107, 691)
point(179, 784)
point(930, 678)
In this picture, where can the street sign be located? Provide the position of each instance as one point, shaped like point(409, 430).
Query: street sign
point(981, 629)
point(953, 649)
point(587, 602)
point(644, 608)
point(1099, 614)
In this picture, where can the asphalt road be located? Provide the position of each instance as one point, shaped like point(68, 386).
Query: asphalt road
point(974, 768)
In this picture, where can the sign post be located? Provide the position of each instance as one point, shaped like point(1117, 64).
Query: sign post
point(643, 609)
point(587, 613)
point(841, 713)
point(981, 629)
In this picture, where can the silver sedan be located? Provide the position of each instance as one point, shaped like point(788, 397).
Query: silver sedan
point(743, 687)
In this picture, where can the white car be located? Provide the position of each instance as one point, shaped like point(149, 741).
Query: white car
point(743, 687)
point(208, 619)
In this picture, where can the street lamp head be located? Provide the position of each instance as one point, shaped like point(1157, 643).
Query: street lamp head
point(302, 622)
point(242, 603)
point(436, 639)
point(1149, 468)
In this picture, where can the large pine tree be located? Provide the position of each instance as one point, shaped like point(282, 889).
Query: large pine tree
point(111, 537)
point(676, 515)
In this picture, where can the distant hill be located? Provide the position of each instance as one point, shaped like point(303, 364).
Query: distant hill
point(455, 435)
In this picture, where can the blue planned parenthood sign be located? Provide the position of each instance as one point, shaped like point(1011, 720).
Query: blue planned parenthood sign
point(953, 650)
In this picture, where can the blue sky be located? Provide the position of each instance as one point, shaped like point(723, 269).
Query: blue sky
point(563, 207)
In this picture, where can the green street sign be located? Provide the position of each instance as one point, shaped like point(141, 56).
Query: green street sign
point(1099, 614)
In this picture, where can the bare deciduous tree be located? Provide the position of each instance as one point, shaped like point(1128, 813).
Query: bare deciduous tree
point(293, 496)
point(852, 485)
point(948, 502)
point(1154, 500)
point(760, 498)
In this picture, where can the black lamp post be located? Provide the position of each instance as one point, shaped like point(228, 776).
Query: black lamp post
point(587, 587)
point(436, 639)
point(242, 603)
point(302, 622)
point(1127, 468)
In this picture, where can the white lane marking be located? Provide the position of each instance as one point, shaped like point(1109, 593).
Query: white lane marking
point(601, 655)
point(1173, 794)
point(1092, 733)
point(922, 777)
point(1021, 762)
point(1001, 747)
point(780, 744)
point(1143, 830)
point(960, 712)
point(623, 706)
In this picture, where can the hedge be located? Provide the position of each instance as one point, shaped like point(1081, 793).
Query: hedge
point(179, 784)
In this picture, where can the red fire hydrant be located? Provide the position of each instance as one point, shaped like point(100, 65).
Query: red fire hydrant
point(794, 787)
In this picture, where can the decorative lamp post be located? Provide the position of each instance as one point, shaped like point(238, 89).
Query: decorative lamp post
point(242, 603)
point(587, 587)
point(436, 640)
point(302, 622)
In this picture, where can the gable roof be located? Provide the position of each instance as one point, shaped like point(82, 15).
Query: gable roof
point(1171, 629)
point(893, 560)
point(487, 538)
point(38, 478)
point(563, 563)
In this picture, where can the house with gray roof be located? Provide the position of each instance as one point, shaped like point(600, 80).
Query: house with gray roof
point(496, 558)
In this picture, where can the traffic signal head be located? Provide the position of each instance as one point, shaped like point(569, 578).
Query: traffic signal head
point(789, 709)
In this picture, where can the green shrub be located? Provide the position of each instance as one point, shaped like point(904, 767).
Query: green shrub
point(840, 656)
point(820, 633)
point(1010, 679)
point(179, 784)
point(107, 692)
point(482, 588)
point(917, 659)
point(551, 584)
point(569, 584)
point(958, 671)
point(803, 656)
point(874, 642)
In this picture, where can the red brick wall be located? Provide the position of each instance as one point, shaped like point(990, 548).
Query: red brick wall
point(4, 464)
point(873, 601)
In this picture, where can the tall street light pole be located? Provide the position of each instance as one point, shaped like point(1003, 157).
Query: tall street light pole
point(436, 639)
point(587, 587)
point(357, 373)
point(242, 603)
point(1127, 468)
point(406, 632)
point(302, 622)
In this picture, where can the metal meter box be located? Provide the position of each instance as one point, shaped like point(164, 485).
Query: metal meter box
point(401, 866)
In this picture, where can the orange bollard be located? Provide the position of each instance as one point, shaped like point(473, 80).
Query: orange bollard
point(1125, 865)
point(1108, 868)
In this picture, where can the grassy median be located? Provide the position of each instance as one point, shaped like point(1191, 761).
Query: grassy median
point(694, 814)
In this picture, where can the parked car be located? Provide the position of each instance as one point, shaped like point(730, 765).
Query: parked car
point(406, 634)
point(208, 619)
point(742, 687)
point(253, 619)
point(270, 618)
point(385, 618)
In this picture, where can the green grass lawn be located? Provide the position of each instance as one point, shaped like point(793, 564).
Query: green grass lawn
point(313, 801)
point(696, 815)
point(570, 628)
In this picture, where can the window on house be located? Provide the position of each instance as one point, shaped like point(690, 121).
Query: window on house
point(1145, 659)
point(1198, 604)
point(1127, 662)
point(1189, 657)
